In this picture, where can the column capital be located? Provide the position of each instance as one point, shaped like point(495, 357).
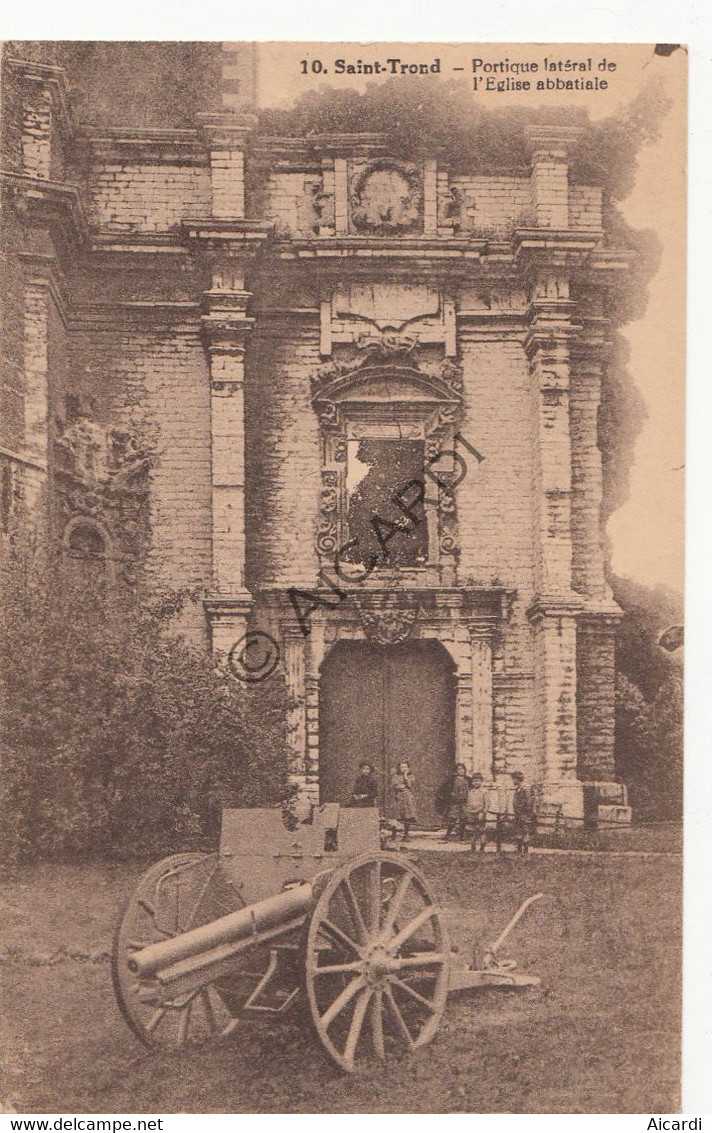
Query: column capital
point(551, 142)
point(226, 235)
point(555, 606)
point(225, 129)
point(482, 629)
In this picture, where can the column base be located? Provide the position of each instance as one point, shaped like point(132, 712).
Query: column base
point(564, 796)
point(599, 805)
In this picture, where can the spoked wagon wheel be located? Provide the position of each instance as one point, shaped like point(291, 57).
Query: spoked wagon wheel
point(377, 960)
point(179, 893)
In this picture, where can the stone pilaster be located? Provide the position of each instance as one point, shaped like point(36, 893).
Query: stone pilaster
point(463, 720)
point(46, 120)
point(587, 521)
point(226, 134)
point(482, 720)
point(555, 631)
point(297, 692)
point(548, 148)
point(547, 346)
point(41, 293)
point(596, 696)
point(225, 328)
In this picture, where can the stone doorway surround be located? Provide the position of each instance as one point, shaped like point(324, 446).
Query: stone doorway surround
point(465, 622)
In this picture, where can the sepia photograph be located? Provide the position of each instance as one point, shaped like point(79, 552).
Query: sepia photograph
point(342, 468)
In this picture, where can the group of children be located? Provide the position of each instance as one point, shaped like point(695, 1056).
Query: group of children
point(469, 805)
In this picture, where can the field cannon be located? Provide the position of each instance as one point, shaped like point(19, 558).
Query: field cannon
point(317, 920)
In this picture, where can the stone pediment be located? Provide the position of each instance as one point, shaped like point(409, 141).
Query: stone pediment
point(386, 383)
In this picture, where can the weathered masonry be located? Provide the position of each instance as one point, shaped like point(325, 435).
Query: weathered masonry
point(301, 326)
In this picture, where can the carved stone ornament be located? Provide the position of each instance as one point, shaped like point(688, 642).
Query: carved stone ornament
point(329, 490)
point(448, 372)
point(387, 199)
point(102, 472)
point(389, 621)
point(328, 413)
point(326, 537)
point(376, 348)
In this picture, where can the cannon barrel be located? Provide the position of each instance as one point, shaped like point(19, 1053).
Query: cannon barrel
point(250, 921)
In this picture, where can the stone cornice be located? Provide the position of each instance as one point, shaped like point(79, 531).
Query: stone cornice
point(226, 235)
point(569, 605)
point(377, 247)
point(552, 138)
point(225, 129)
point(95, 316)
point(146, 146)
point(352, 145)
point(602, 610)
point(40, 199)
point(566, 248)
point(216, 607)
point(55, 78)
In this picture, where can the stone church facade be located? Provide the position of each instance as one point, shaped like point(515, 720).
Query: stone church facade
point(352, 399)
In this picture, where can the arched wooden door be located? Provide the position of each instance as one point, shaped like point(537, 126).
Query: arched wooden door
point(385, 703)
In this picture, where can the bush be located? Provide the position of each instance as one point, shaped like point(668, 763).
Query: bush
point(118, 738)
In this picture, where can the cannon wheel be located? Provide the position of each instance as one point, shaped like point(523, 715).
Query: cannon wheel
point(377, 960)
point(178, 893)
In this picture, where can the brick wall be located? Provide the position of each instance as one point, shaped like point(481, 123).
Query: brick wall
point(495, 203)
point(288, 203)
point(130, 197)
point(156, 380)
point(495, 510)
point(283, 459)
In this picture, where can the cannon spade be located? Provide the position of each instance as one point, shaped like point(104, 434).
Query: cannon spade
point(316, 921)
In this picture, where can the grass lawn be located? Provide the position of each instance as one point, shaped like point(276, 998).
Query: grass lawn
point(601, 1034)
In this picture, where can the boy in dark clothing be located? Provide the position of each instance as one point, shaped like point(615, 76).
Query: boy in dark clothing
point(524, 815)
point(477, 811)
point(457, 810)
point(365, 788)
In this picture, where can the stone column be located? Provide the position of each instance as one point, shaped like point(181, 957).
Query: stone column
point(555, 629)
point(225, 328)
point(463, 719)
point(294, 648)
point(547, 347)
point(315, 651)
point(42, 293)
point(482, 721)
point(596, 702)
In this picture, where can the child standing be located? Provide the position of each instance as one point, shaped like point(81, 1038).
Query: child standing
point(457, 802)
point(477, 811)
point(402, 785)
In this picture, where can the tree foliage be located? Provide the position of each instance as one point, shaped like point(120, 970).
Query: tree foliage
point(118, 738)
point(649, 701)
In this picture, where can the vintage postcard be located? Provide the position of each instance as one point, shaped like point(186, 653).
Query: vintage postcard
point(341, 488)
